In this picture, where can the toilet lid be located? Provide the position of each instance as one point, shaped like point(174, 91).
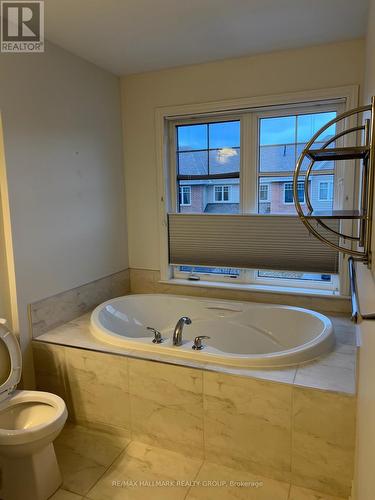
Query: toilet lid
point(12, 345)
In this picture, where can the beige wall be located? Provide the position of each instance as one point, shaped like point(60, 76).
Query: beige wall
point(274, 73)
point(369, 83)
point(365, 478)
point(5, 308)
point(369, 80)
point(63, 153)
point(8, 295)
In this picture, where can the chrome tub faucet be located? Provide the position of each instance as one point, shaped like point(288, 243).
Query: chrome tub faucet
point(177, 334)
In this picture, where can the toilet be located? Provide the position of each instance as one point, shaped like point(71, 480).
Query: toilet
point(29, 423)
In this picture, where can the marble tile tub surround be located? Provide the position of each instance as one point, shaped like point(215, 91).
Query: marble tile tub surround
point(276, 429)
point(148, 281)
point(335, 371)
point(58, 309)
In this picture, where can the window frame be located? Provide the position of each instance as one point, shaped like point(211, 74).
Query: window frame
point(250, 126)
point(249, 167)
point(172, 142)
point(229, 110)
point(251, 277)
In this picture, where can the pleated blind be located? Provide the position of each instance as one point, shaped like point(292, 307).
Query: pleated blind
point(275, 242)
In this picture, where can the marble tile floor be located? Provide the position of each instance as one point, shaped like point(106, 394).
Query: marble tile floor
point(99, 464)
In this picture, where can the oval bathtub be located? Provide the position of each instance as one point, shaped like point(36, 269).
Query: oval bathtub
point(241, 334)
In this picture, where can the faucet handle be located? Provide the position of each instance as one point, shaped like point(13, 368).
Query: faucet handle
point(158, 339)
point(197, 346)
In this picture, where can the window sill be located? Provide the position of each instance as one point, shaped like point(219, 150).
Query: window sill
point(280, 290)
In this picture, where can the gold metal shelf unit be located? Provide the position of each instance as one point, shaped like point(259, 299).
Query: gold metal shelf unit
point(360, 247)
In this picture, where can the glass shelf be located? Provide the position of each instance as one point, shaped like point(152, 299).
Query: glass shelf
point(353, 153)
point(335, 214)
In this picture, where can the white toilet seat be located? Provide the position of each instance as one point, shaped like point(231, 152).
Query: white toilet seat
point(15, 355)
point(34, 432)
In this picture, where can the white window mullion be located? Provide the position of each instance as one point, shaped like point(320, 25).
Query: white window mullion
point(248, 176)
point(173, 168)
point(249, 275)
point(249, 172)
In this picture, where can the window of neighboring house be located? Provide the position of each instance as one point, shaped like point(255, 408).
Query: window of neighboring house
point(263, 192)
point(222, 193)
point(326, 190)
point(209, 155)
point(185, 195)
point(288, 192)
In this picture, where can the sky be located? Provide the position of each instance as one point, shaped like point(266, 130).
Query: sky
point(217, 135)
point(290, 129)
point(274, 130)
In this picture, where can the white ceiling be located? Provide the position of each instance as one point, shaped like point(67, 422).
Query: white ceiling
point(130, 36)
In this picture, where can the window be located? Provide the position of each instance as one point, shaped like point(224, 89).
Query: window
point(281, 141)
point(206, 155)
point(282, 137)
point(287, 276)
point(326, 190)
point(288, 192)
point(245, 163)
point(263, 192)
point(185, 195)
point(222, 193)
point(219, 272)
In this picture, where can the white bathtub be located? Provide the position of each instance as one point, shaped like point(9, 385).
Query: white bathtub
point(241, 334)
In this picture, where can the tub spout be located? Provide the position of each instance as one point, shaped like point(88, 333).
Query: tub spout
point(177, 334)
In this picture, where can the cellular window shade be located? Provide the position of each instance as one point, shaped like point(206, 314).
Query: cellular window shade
point(275, 242)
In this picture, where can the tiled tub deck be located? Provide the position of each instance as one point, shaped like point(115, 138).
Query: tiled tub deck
point(294, 425)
